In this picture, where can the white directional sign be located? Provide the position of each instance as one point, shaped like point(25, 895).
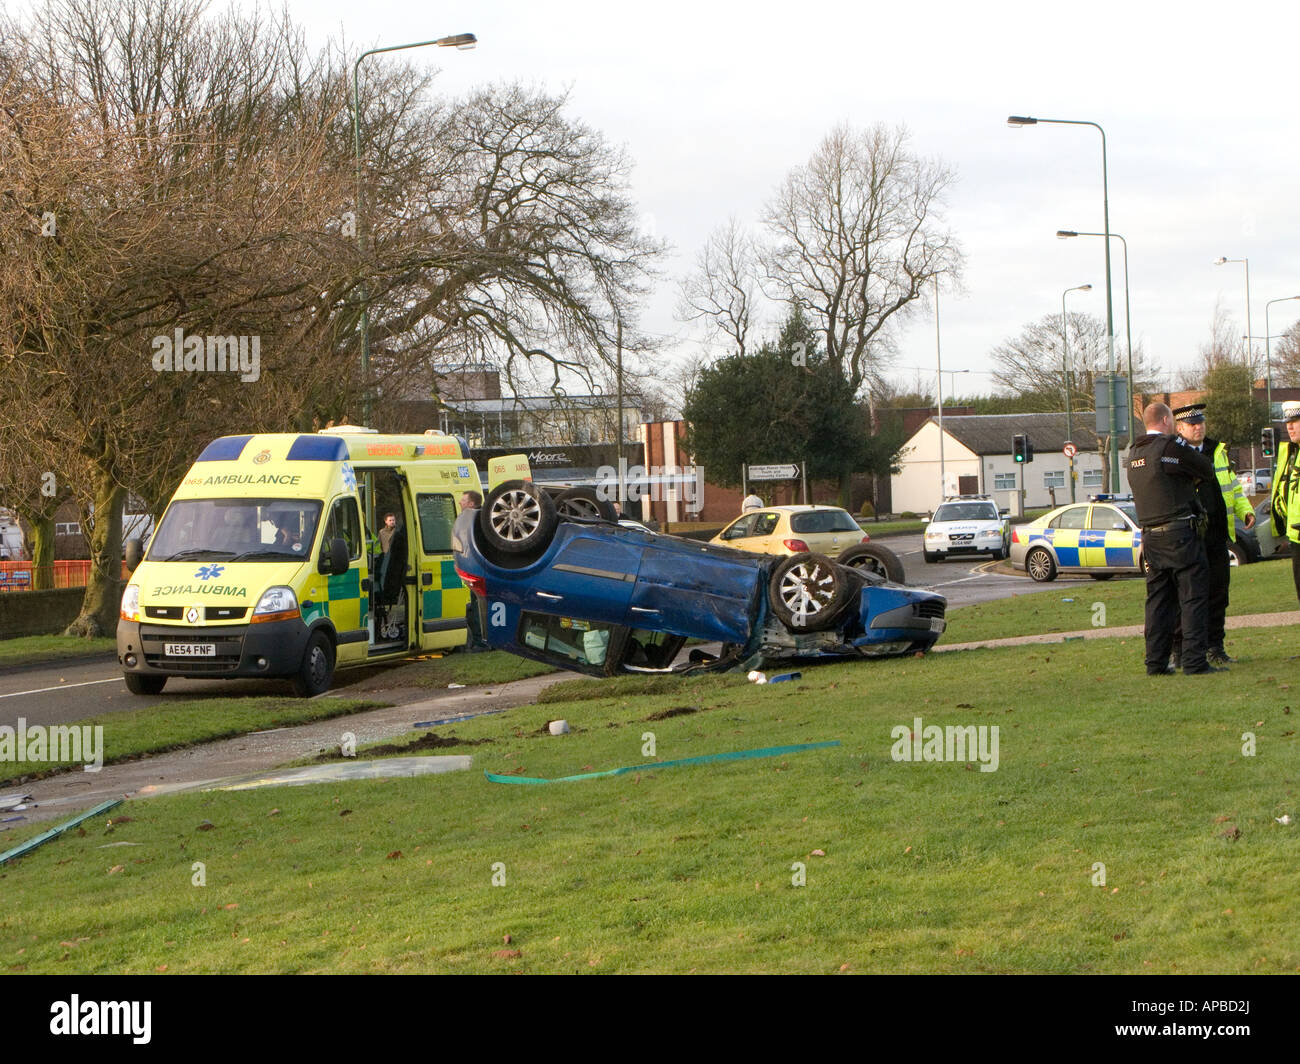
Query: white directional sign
point(773, 472)
point(1070, 450)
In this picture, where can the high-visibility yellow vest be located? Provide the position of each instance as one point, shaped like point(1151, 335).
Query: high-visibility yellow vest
point(1234, 499)
point(1285, 497)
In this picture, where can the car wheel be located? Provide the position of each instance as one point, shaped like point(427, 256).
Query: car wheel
point(930, 557)
point(143, 684)
point(317, 670)
point(1146, 569)
point(876, 559)
point(583, 504)
point(1040, 565)
point(518, 521)
point(1101, 576)
point(808, 591)
point(1237, 555)
point(999, 554)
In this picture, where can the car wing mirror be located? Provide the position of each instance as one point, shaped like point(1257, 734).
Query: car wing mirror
point(134, 553)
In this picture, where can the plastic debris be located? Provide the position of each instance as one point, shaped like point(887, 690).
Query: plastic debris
point(785, 676)
point(559, 727)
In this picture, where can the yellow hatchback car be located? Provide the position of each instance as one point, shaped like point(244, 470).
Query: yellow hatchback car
point(826, 530)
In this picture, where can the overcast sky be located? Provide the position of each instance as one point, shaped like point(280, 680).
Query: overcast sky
point(716, 102)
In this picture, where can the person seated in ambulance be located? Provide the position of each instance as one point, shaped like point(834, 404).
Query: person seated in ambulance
point(287, 536)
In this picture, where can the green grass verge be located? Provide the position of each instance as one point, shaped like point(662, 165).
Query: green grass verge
point(163, 726)
point(1069, 605)
point(489, 667)
point(30, 649)
point(931, 867)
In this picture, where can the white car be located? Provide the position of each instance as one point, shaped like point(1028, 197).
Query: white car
point(967, 524)
point(1258, 482)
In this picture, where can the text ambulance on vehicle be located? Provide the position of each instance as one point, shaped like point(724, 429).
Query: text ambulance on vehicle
point(269, 562)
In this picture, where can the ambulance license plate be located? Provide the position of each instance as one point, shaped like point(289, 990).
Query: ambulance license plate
point(190, 650)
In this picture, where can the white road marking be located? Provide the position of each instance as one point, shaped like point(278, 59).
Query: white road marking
point(61, 687)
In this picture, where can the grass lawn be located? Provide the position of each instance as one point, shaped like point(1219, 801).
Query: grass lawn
point(489, 667)
point(29, 649)
point(1068, 605)
point(910, 867)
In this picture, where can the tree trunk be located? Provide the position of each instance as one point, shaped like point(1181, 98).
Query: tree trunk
point(42, 552)
point(99, 607)
point(846, 490)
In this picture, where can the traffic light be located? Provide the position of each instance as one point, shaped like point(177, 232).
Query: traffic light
point(1266, 441)
point(1020, 448)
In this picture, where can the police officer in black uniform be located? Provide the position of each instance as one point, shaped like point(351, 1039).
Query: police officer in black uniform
point(1163, 472)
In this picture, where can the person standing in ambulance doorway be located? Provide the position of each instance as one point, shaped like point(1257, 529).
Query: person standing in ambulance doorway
point(1285, 498)
point(1163, 472)
point(1224, 502)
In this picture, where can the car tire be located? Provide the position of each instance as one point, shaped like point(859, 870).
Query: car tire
point(1143, 567)
point(998, 554)
point(809, 580)
point(143, 683)
point(1101, 576)
point(876, 559)
point(317, 669)
point(1040, 565)
point(583, 504)
point(518, 522)
point(930, 557)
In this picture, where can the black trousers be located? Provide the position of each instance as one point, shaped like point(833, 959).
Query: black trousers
point(1177, 590)
point(1219, 575)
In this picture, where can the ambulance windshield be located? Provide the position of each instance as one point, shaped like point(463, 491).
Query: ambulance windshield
point(236, 530)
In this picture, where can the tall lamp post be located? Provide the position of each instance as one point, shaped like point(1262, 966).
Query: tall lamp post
point(1018, 121)
point(1268, 355)
point(1065, 234)
point(1221, 261)
point(1065, 365)
point(938, 359)
point(463, 41)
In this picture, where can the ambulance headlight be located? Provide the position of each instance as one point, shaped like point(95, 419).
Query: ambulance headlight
point(276, 604)
point(130, 608)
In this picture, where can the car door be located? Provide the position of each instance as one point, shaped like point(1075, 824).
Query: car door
point(1109, 541)
point(591, 576)
point(345, 600)
point(442, 596)
point(1066, 530)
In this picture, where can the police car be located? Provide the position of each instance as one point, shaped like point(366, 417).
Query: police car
point(966, 524)
point(1100, 537)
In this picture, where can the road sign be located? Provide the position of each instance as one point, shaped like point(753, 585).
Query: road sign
point(773, 472)
point(1070, 450)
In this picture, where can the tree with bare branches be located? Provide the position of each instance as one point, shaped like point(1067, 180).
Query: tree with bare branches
point(723, 290)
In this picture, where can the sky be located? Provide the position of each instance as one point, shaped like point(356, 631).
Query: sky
point(716, 102)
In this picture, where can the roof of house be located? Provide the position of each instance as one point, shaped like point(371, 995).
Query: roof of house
point(991, 433)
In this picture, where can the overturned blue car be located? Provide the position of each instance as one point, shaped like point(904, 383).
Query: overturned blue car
point(587, 594)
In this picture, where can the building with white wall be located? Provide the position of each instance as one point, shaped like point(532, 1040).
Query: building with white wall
point(977, 460)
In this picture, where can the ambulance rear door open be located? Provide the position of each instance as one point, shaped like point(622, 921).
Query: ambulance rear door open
point(441, 597)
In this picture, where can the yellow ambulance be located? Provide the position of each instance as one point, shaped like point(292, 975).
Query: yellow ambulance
point(288, 555)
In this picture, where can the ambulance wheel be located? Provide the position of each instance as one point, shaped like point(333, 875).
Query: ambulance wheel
point(518, 521)
point(583, 504)
point(143, 684)
point(1040, 566)
point(317, 670)
point(808, 592)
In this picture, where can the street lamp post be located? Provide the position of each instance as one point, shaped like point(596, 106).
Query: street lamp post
point(938, 358)
point(1268, 355)
point(463, 41)
point(1065, 366)
point(1065, 234)
point(1221, 261)
point(1016, 122)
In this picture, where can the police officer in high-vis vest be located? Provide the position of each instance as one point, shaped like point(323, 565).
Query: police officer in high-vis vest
point(1224, 502)
point(1162, 472)
point(1285, 499)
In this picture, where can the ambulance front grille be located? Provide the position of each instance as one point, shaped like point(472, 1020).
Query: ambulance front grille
point(229, 649)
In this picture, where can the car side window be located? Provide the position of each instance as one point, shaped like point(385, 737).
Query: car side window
point(575, 641)
point(741, 528)
point(1105, 519)
point(1074, 517)
point(765, 524)
point(344, 524)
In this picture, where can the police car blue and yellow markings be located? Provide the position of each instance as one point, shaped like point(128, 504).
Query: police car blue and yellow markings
point(1104, 548)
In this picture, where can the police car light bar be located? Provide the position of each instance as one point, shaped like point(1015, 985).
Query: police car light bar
point(1110, 498)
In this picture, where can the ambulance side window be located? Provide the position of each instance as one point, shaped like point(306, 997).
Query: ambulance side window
point(437, 515)
point(344, 524)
